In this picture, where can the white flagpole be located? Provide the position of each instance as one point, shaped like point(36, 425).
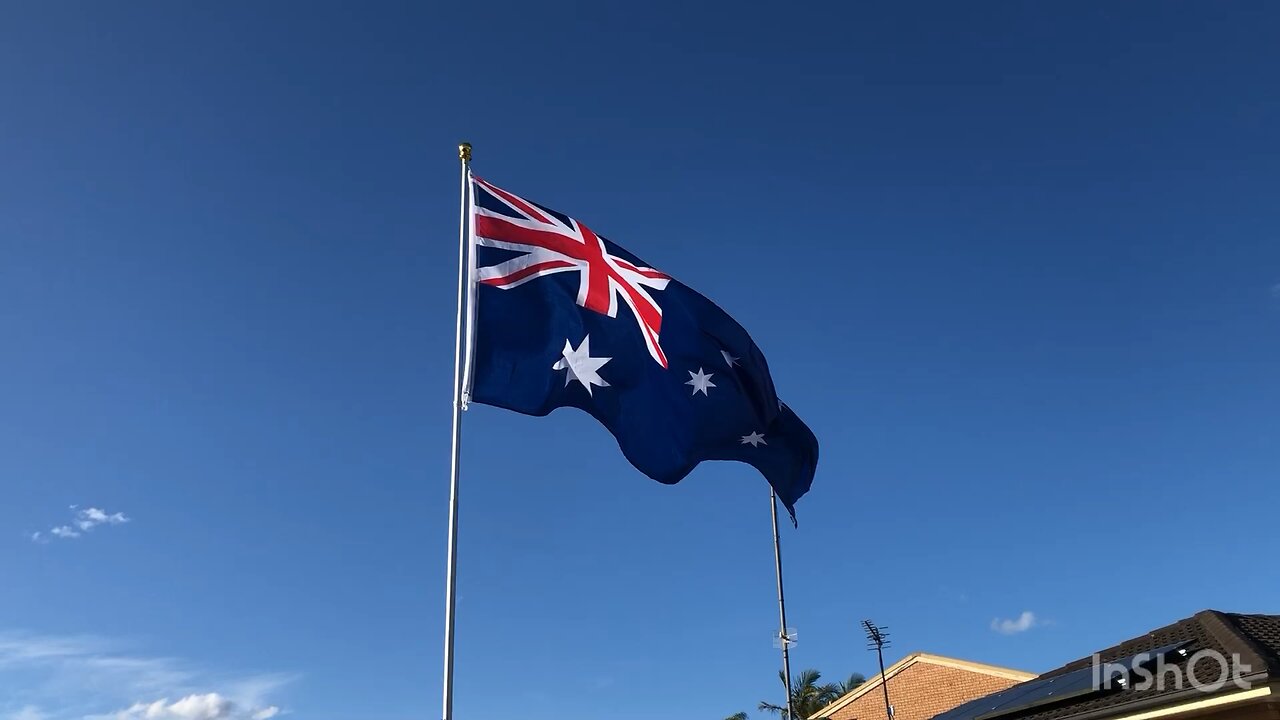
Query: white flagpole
point(783, 638)
point(450, 590)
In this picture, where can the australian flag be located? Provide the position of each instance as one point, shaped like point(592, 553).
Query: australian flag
point(566, 318)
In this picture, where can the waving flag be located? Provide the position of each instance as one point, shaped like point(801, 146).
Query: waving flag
point(566, 318)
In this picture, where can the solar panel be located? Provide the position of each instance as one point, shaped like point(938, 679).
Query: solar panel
point(1150, 657)
point(1054, 689)
point(1119, 672)
point(1078, 683)
point(971, 709)
point(987, 703)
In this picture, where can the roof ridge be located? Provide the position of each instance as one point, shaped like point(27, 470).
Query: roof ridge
point(974, 666)
point(1114, 651)
point(1231, 637)
point(1229, 622)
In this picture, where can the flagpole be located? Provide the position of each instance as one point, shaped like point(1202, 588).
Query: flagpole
point(783, 638)
point(450, 589)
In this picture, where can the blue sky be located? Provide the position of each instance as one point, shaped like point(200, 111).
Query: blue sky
point(1017, 266)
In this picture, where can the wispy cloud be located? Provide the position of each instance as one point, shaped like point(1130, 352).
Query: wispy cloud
point(1013, 626)
point(1275, 291)
point(91, 678)
point(209, 706)
point(83, 521)
point(89, 518)
point(27, 712)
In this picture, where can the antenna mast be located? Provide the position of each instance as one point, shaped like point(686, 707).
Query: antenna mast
point(878, 639)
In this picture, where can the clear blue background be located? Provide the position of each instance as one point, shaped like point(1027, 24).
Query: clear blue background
point(1017, 265)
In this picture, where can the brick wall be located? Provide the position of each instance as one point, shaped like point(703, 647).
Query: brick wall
point(923, 690)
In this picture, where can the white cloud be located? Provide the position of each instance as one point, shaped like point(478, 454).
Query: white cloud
point(82, 522)
point(89, 677)
point(89, 518)
point(209, 706)
point(201, 707)
point(1013, 626)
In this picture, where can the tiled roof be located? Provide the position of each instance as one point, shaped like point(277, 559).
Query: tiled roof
point(1253, 639)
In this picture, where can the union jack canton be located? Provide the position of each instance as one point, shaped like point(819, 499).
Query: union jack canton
point(566, 318)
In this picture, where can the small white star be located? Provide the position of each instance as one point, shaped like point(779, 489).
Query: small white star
point(755, 439)
point(700, 382)
point(581, 366)
point(729, 359)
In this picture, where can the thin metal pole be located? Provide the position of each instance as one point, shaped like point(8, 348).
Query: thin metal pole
point(783, 638)
point(464, 155)
point(884, 682)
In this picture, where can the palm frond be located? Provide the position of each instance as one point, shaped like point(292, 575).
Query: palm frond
point(855, 680)
point(809, 678)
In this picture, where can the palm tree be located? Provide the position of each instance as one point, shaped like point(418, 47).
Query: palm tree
point(737, 716)
point(853, 682)
point(807, 696)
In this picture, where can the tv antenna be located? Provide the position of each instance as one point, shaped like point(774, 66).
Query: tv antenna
point(878, 640)
point(788, 639)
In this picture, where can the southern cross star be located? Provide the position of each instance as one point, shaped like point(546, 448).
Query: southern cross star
point(755, 439)
point(729, 359)
point(581, 366)
point(700, 381)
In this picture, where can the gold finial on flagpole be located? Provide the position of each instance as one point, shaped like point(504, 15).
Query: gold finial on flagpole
point(464, 152)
